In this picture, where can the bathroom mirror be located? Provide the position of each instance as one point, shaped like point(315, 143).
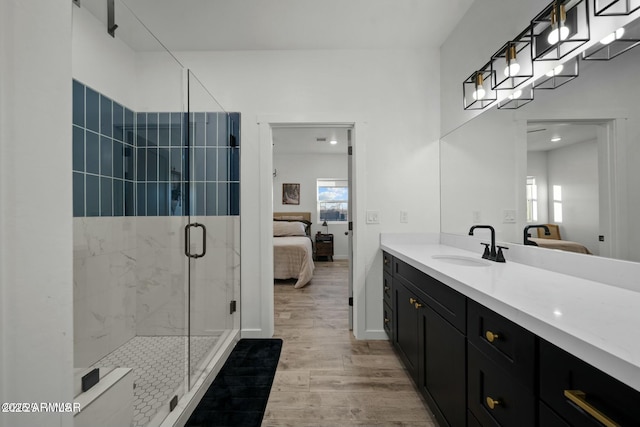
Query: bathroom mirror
point(502, 166)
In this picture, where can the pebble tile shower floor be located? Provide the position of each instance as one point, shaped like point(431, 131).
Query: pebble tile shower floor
point(158, 364)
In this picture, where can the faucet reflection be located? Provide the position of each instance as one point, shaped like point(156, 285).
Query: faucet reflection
point(526, 234)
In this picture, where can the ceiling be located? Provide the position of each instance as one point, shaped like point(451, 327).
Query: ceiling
point(304, 140)
point(539, 134)
point(292, 24)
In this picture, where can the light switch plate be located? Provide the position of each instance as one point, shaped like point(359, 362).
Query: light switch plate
point(404, 217)
point(373, 217)
point(509, 216)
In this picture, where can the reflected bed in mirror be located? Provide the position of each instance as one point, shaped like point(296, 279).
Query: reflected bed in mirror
point(490, 164)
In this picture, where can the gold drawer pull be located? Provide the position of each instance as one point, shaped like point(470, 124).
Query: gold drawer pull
point(492, 403)
point(412, 300)
point(386, 288)
point(386, 320)
point(386, 260)
point(578, 397)
point(417, 305)
point(491, 337)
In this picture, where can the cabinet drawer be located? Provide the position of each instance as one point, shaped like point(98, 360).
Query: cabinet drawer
point(447, 302)
point(513, 404)
point(564, 377)
point(387, 318)
point(386, 288)
point(387, 263)
point(509, 345)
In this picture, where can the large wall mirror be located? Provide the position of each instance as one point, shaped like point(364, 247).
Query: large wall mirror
point(569, 159)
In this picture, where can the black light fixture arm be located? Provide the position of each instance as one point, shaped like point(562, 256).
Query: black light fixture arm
point(111, 19)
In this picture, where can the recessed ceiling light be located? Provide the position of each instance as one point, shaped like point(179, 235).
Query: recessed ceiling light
point(556, 139)
point(333, 142)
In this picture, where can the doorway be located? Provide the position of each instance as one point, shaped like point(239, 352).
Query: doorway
point(313, 160)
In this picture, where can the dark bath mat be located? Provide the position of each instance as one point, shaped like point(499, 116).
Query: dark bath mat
point(239, 394)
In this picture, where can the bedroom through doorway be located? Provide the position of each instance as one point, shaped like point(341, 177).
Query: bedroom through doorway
point(312, 201)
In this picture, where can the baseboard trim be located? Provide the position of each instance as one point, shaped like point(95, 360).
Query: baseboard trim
point(375, 334)
point(252, 333)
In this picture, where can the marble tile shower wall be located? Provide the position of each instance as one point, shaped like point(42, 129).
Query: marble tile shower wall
point(129, 264)
point(128, 163)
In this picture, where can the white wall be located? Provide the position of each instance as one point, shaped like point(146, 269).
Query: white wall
point(305, 169)
point(575, 169)
point(36, 326)
point(395, 92)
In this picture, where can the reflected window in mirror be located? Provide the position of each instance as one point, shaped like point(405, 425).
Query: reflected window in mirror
point(532, 199)
point(557, 204)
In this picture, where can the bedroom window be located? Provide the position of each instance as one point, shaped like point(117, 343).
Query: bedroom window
point(532, 199)
point(333, 200)
point(557, 203)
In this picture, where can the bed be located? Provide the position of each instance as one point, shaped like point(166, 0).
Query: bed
point(292, 247)
point(554, 241)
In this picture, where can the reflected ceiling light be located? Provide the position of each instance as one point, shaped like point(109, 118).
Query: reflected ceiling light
point(512, 67)
point(479, 93)
point(557, 70)
point(617, 34)
point(333, 142)
point(560, 31)
point(556, 139)
point(515, 95)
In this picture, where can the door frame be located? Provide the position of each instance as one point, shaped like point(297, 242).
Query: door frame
point(266, 124)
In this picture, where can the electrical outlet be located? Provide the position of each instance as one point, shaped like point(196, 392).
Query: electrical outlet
point(476, 217)
point(373, 217)
point(404, 217)
point(509, 216)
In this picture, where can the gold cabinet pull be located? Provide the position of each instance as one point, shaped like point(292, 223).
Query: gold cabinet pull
point(578, 397)
point(412, 300)
point(386, 288)
point(417, 305)
point(492, 403)
point(386, 320)
point(491, 337)
point(386, 260)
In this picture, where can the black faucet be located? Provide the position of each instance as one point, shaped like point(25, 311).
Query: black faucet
point(526, 234)
point(490, 254)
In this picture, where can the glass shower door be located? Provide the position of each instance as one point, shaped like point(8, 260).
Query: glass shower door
point(213, 232)
point(130, 180)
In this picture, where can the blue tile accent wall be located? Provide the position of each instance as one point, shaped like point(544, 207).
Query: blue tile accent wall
point(139, 164)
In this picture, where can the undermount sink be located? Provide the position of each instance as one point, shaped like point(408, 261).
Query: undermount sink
point(462, 260)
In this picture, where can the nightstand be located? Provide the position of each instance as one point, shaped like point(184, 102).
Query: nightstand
point(324, 246)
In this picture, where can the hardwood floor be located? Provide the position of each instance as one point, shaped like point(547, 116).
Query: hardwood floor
point(325, 376)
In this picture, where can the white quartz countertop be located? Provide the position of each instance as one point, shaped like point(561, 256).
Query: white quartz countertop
point(596, 322)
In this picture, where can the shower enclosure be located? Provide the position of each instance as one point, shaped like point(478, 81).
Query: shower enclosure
point(156, 214)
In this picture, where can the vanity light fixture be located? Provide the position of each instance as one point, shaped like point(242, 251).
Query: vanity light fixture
point(561, 28)
point(559, 31)
point(558, 75)
point(512, 68)
point(615, 43)
point(512, 64)
point(516, 99)
point(615, 7)
point(477, 90)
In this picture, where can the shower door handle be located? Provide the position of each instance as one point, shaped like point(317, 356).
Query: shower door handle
point(187, 240)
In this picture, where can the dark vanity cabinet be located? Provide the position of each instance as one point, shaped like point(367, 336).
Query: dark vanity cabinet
point(574, 393)
point(476, 368)
point(429, 326)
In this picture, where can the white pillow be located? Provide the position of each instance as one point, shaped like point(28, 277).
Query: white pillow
point(285, 228)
